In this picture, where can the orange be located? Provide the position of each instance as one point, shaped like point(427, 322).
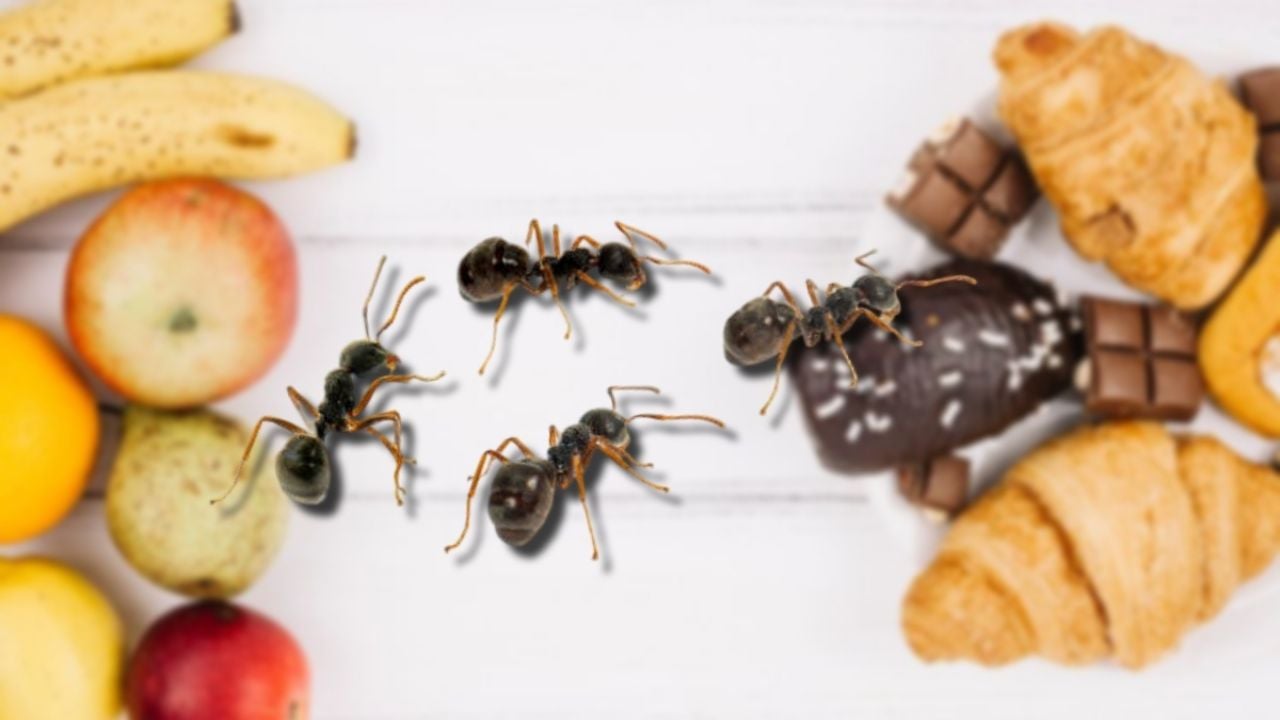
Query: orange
point(48, 432)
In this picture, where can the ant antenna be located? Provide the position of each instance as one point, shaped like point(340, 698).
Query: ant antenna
point(613, 401)
point(862, 260)
point(630, 232)
point(704, 418)
point(396, 310)
point(368, 298)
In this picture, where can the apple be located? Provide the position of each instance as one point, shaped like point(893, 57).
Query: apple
point(182, 292)
point(217, 661)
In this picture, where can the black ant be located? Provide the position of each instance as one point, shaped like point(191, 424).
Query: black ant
point(494, 268)
point(523, 490)
point(302, 467)
point(764, 327)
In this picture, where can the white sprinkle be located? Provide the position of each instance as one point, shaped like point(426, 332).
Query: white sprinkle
point(854, 432)
point(954, 345)
point(1050, 332)
point(880, 335)
point(1021, 312)
point(950, 379)
point(878, 423)
point(865, 384)
point(820, 364)
point(906, 333)
point(830, 407)
point(950, 413)
point(1015, 377)
point(1074, 323)
point(993, 338)
point(1042, 306)
point(885, 389)
point(1055, 361)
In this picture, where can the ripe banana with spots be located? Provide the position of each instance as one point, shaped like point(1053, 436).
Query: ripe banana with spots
point(47, 42)
point(97, 133)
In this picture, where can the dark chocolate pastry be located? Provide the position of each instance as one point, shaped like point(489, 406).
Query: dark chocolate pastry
point(992, 353)
point(964, 191)
point(1140, 361)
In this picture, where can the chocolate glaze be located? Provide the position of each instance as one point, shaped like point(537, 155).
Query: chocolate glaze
point(992, 353)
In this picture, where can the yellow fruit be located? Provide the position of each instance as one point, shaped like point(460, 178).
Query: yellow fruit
point(102, 132)
point(61, 645)
point(48, 432)
point(51, 41)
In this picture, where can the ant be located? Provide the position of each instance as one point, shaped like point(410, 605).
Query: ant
point(523, 490)
point(494, 268)
point(302, 467)
point(765, 327)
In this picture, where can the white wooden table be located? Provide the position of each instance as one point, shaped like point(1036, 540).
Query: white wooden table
point(755, 136)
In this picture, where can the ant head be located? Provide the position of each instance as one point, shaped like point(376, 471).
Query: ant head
point(490, 268)
point(876, 294)
point(365, 356)
point(608, 424)
point(620, 264)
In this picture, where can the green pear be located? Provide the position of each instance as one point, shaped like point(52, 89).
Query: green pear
point(169, 467)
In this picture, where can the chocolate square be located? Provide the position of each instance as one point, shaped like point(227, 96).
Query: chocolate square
point(1176, 388)
point(1110, 323)
point(971, 155)
point(1012, 192)
point(1119, 383)
point(979, 235)
point(932, 201)
point(1169, 331)
point(1269, 155)
point(941, 484)
point(1260, 90)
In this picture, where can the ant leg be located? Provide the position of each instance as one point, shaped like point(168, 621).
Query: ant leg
point(391, 446)
point(497, 318)
point(613, 454)
point(481, 468)
point(887, 327)
point(368, 298)
point(393, 417)
point(553, 436)
point(384, 379)
point(253, 438)
point(862, 260)
point(303, 405)
point(837, 337)
point(613, 401)
point(704, 418)
point(786, 294)
point(555, 295)
point(936, 281)
point(555, 240)
point(396, 310)
point(582, 497)
point(783, 346)
point(812, 287)
point(585, 239)
point(591, 283)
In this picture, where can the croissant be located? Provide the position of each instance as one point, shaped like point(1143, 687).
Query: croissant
point(1150, 164)
point(1110, 542)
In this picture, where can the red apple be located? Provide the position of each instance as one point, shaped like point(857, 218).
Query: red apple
point(217, 661)
point(182, 292)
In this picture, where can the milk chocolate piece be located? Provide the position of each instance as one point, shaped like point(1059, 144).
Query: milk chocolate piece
point(992, 353)
point(941, 484)
point(964, 191)
point(1269, 155)
point(1260, 90)
point(1142, 361)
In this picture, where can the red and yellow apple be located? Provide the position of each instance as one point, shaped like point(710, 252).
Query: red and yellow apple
point(217, 661)
point(182, 292)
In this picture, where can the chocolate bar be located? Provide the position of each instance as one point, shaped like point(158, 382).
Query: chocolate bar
point(940, 484)
point(1141, 361)
point(964, 191)
point(1260, 91)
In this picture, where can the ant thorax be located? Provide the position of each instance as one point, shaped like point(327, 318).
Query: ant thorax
point(813, 326)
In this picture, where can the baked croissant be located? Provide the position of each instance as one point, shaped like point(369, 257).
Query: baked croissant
point(1110, 542)
point(1150, 164)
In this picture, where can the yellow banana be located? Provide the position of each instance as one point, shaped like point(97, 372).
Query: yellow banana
point(97, 133)
point(50, 41)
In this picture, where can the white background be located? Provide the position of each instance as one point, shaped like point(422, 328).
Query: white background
point(755, 136)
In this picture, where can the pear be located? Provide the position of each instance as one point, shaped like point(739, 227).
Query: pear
point(169, 467)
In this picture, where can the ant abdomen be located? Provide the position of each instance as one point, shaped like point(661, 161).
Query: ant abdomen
point(620, 264)
point(489, 268)
point(521, 498)
point(753, 333)
point(303, 469)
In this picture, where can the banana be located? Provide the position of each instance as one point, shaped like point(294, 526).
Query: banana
point(47, 42)
point(93, 134)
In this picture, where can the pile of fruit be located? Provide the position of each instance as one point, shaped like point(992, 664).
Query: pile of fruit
point(83, 107)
